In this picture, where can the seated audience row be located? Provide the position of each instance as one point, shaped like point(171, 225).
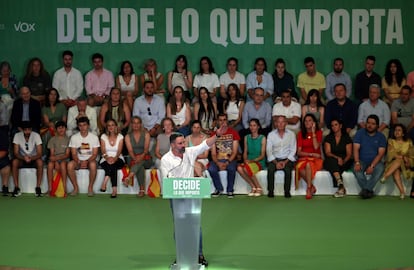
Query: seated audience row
point(282, 150)
point(97, 83)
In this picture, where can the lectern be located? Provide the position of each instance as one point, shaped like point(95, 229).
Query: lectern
point(186, 195)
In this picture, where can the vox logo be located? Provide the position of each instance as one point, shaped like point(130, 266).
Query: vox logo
point(24, 27)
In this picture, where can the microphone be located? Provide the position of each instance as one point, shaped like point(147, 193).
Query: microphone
point(169, 173)
point(173, 168)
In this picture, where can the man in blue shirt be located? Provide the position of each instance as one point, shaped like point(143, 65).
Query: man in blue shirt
point(369, 149)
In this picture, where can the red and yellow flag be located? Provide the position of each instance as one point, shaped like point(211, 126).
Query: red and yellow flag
point(57, 189)
point(154, 188)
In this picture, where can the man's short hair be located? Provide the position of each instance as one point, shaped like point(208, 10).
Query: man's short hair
point(67, 52)
point(375, 117)
point(370, 57)
point(147, 82)
point(82, 119)
point(60, 124)
point(308, 60)
point(374, 85)
point(340, 84)
point(258, 88)
point(81, 98)
point(338, 59)
point(407, 87)
point(174, 136)
point(96, 56)
point(26, 124)
point(287, 90)
point(222, 115)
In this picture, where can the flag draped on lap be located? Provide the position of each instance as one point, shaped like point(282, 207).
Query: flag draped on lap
point(57, 189)
point(125, 173)
point(154, 188)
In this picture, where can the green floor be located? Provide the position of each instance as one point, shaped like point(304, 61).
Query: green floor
point(242, 233)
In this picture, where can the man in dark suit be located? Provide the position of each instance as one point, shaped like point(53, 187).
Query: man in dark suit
point(25, 108)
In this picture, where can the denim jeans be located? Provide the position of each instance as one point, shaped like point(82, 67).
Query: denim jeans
point(368, 182)
point(231, 175)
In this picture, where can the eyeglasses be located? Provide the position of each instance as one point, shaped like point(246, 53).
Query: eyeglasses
point(27, 146)
point(149, 111)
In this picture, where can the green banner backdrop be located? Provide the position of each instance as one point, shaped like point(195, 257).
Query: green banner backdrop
point(137, 30)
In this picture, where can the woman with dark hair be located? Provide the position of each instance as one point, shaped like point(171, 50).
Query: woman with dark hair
point(112, 160)
point(206, 78)
point(283, 80)
point(127, 81)
point(393, 80)
point(137, 142)
point(309, 141)
point(53, 110)
point(314, 105)
point(254, 157)
point(178, 109)
point(260, 78)
point(37, 79)
point(181, 76)
point(195, 138)
point(233, 106)
point(399, 160)
point(205, 111)
point(338, 155)
point(232, 75)
point(117, 110)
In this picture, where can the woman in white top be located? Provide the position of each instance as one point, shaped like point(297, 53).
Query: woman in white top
point(206, 78)
point(180, 76)
point(178, 109)
point(151, 74)
point(206, 112)
point(233, 106)
point(127, 81)
point(112, 160)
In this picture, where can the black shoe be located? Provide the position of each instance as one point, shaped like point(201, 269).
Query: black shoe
point(113, 196)
point(230, 195)
point(287, 194)
point(370, 194)
point(364, 194)
point(16, 192)
point(38, 192)
point(202, 260)
point(216, 193)
point(270, 195)
point(5, 191)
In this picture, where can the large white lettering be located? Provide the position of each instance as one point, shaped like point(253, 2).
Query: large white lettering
point(357, 26)
point(394, 27)
point(234, 26)
point(119, 25)
point(228, 26)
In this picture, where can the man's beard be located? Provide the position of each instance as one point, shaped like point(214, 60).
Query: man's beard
point(181, 150)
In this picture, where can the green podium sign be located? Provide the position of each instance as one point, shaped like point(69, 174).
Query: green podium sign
point(186, 188)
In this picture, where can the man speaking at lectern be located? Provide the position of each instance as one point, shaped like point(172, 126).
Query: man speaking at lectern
point(179, 162)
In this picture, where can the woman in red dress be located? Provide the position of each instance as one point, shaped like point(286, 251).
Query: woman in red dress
point(310, 161)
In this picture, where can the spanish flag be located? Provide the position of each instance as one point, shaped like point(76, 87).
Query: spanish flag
point(125, 173)
point(154, 188)
point(57, 189)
